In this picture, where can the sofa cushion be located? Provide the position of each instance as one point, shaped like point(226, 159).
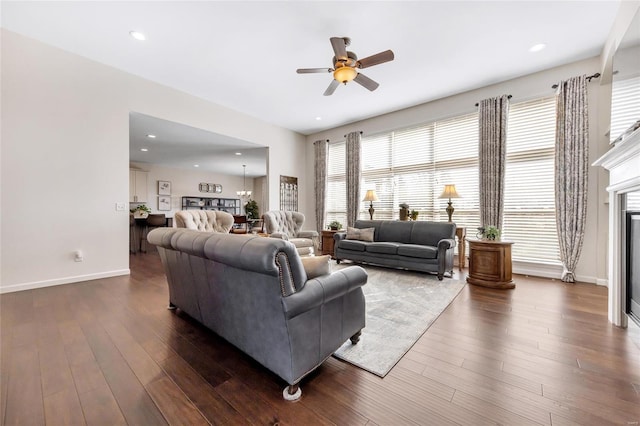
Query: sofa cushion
point(353, 245)
point(383, 248)
point(301, 242)
point(412, 250)
point(362, 234)
point(316, 266)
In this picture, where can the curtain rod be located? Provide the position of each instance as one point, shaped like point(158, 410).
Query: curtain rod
point(360, 133)
point(596, 75)
point(508, 97)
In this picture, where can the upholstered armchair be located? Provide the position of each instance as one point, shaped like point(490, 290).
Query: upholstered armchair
point(204, 220)
point(288, 226)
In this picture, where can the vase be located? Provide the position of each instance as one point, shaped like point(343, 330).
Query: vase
point(404, 214)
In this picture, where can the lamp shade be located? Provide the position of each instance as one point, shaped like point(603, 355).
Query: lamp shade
point(449, 192)
point(344, 74)
point(370, 195)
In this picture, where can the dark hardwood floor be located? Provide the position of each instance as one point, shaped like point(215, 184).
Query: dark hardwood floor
point(108, 352)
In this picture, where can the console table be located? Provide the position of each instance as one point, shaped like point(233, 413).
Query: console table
point(490, 264)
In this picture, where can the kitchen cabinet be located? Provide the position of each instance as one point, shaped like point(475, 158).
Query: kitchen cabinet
point(138, 189)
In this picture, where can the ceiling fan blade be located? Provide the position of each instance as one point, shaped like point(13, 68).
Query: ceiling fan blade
point(378, 58)
point(332, 88)
point(339, 48)
point(366, 82)
point(313, 70)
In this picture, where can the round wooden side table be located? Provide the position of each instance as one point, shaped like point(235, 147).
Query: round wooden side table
point(490, 263)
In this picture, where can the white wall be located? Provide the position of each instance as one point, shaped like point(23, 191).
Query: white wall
point(65, 159)
point(185, 183)
point(592, 266)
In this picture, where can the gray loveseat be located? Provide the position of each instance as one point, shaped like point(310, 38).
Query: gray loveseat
point(254, 292)
point(420, 245)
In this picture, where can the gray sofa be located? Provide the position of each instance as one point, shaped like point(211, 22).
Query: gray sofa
point(416, 245)
point(254, 292)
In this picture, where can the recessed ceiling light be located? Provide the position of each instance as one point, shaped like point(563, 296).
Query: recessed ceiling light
point(137, 35)
point(238, 153)
point(196, 165)
point(318, 118)
point(151, 136)
point(144, 149)
point(537, 47)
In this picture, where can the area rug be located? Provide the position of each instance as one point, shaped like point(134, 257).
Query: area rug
point(400, 307)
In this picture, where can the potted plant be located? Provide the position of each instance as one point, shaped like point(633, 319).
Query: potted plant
point(335, 225)
point(141, 211)
point(251, 209)
point(489, 233)
point(404, 211)
point(414, 215)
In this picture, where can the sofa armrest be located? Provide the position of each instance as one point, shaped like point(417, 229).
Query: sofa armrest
point(338, 236)
point(445, 244)
point(307, 234)
point(280, 235)
point(322, 289)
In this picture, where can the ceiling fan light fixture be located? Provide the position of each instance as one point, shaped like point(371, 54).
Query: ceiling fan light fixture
point(345, 74)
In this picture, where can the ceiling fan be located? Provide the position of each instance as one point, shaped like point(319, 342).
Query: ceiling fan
point(345, 65)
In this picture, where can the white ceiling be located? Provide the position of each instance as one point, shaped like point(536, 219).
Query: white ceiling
point(244, 55)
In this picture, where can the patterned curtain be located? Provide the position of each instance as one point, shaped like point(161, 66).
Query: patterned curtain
point(353, 177)
point(572, 155)
point(320, 184)
point(493, 115)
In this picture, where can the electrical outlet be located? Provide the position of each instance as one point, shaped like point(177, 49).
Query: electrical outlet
point(120, 207)
point(77, 256)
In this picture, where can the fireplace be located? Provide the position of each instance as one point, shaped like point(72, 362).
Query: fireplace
point(623, 163)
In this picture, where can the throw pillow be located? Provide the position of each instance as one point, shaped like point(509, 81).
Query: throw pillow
point(316, 266)
point(362, 234)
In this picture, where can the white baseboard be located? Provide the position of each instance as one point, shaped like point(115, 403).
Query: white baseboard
point(65, 280)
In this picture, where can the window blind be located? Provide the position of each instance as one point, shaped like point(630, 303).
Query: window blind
point(625, 105)
point(529, 207)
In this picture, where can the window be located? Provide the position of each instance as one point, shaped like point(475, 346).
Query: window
point(413, 165)
point(529, 208)
point(625, 105)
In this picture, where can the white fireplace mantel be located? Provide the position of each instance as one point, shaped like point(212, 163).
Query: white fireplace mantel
point(623, 163)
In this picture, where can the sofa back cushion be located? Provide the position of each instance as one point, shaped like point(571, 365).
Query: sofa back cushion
point(283, 222)
point(204, 220)
point(409, 232)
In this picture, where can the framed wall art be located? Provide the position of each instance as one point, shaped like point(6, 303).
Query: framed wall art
point(164, 203)
point(164, 187)
point(289, 193)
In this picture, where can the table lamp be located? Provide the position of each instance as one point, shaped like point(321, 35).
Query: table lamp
point(449, 192)
point(371, 196)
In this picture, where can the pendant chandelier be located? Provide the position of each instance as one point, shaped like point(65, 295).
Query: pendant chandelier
point(244, 193)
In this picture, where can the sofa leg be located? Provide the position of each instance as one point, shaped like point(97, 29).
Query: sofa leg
point(337, 261)
point(292, 393)
point(356, 337)
point(440, 276)
point(171, 306)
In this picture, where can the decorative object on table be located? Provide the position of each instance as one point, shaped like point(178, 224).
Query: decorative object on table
point(371, 196)
point(141, 211)
point(251, 210)
point(334, 225)
point(488, 233)
point(288, 193)
point(404, 211)
point(401, 306)
point(244, 193)
point(414, 214)
point(164, 187)
point(164, 203)
point(449, 192)
point(215, 188)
